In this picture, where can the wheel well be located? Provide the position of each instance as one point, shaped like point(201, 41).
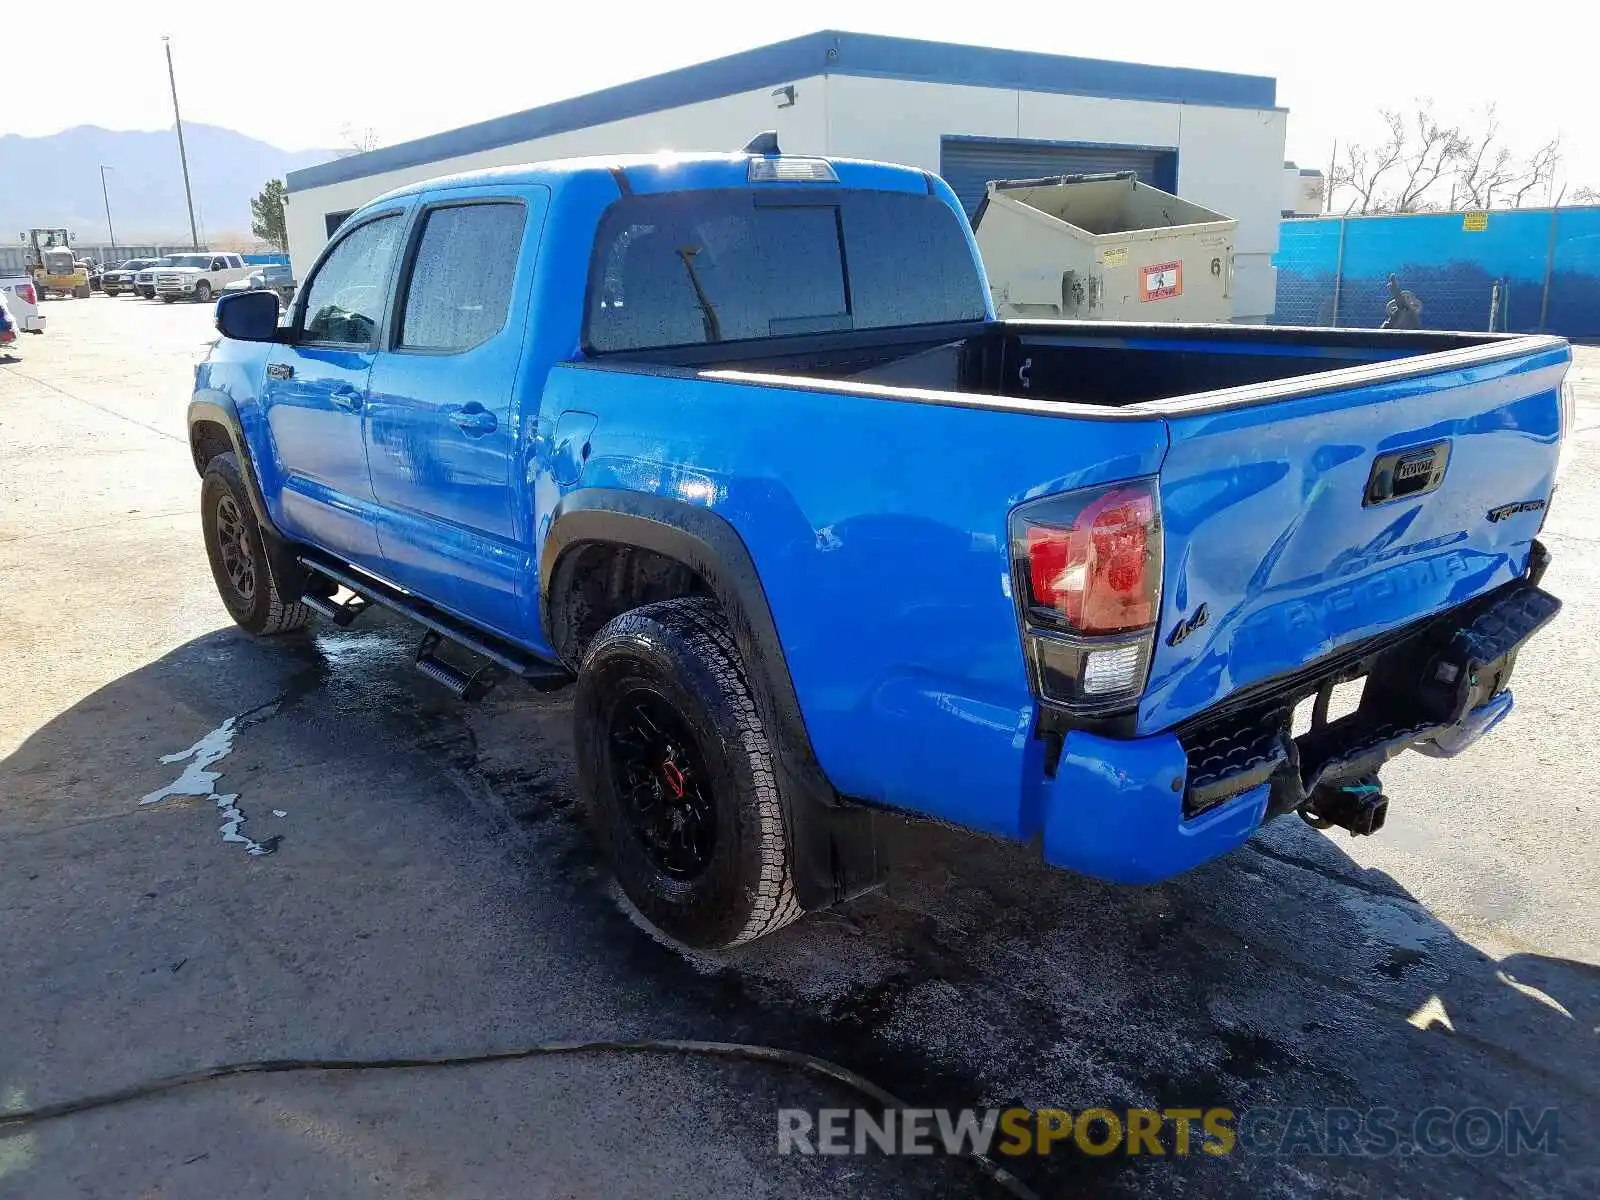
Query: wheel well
point(596, 581)
point(207, 439)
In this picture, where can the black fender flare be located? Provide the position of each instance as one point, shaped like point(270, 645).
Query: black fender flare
point(839, 847)
point(219, 409)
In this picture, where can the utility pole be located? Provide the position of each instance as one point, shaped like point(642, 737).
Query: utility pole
point(106, 196)
point(183, 155)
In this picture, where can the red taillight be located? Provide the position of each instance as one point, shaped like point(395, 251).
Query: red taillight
point(1101, 573)
point(1086, 569)
point(27, 294)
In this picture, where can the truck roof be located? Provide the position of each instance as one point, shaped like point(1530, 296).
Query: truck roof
point(672, 171)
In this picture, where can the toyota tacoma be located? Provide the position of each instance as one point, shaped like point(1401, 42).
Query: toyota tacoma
point(736, 445)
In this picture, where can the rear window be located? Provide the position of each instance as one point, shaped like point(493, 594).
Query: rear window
point(462, 277)
point(688, 268)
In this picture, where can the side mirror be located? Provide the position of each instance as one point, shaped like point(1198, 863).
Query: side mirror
point(248, 316)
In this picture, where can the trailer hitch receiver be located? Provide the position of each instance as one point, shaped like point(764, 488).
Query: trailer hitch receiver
point(1358, 805)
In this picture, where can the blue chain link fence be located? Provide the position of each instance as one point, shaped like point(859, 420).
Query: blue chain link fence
point(1522, 270)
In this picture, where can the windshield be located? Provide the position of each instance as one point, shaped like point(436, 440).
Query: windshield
point(188, 260)
point(692, 267)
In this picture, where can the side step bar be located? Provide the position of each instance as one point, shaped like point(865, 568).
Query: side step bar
point(442, 626)
point(340, 614)
point(463, 686)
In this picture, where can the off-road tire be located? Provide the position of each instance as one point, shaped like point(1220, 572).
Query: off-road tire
point(681, 651)
point(264, 610)
point(202, 292)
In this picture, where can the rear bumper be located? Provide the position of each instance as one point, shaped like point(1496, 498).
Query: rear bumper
point(1115, 811)
point(1145, 809)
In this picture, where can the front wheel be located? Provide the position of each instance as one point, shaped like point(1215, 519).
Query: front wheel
point(238, 553)
point(202, 292)
point(678, 777)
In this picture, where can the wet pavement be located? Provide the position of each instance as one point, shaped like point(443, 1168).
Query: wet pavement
point(429, 890)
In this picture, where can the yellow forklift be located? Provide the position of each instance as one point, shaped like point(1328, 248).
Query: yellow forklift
point(51, 263)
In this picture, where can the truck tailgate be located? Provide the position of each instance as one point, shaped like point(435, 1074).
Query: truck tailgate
point(1310, 515)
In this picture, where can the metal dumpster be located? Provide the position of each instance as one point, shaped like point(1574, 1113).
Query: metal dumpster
point(1104, 248)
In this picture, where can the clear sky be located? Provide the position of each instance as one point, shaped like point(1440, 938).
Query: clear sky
point(294, 72)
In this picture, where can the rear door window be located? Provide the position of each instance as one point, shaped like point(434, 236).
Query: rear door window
point(459, 290)
point(690, 268)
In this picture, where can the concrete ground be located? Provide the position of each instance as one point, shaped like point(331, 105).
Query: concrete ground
point(431, 892)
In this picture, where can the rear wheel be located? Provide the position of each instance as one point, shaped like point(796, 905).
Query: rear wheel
point(238, 553)
point(676, 771)
point(166, 299)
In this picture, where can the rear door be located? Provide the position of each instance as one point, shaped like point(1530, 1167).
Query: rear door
point(1299, 525)
point(234, 268)
point(316, 389)
point(441, 426)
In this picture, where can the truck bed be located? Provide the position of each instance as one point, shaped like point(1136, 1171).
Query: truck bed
point(1101, 364)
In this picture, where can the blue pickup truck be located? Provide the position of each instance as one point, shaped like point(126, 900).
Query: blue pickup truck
point(735, 443)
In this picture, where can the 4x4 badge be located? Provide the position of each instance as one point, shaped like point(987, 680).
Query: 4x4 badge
point(1187, 626)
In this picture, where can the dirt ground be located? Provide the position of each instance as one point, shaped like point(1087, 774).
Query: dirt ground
point(430, 891)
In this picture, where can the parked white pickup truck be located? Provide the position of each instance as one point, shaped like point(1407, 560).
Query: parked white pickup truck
point(198, 276)
point(22, 301)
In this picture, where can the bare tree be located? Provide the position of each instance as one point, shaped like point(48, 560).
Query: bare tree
point(1398, 173)
point(1490, 171)
point(1434, 151)
point(1363, 168)
point(357, 141)
point(1586, 195)
point(1406, 171)
point(1485, 169)
point(1539, 171)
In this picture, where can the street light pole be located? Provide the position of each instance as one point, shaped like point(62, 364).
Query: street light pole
point(106, 196)
point(183, 155)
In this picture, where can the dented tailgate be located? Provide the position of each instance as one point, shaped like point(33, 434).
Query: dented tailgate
point(1348, 506)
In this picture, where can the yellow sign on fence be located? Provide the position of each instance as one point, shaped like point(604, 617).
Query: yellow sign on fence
point(1474, 222)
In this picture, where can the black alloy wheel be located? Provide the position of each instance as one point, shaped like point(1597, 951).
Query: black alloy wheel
point(238, 556)
point(660, 776)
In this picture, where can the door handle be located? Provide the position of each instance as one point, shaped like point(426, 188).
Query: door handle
point(346, 398)
point(474, 419)
point(280, 371)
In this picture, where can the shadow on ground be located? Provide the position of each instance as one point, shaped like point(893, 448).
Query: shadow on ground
point(430, 889)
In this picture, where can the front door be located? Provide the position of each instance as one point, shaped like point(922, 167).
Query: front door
point(316, 391)
point(442, 424)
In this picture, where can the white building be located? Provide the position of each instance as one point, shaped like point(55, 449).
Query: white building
point(969, 113)
point(1304, 190)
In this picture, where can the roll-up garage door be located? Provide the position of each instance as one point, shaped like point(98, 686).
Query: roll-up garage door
point(968, 164)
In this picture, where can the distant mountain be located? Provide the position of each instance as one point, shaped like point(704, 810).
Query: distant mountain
point(55, 180)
